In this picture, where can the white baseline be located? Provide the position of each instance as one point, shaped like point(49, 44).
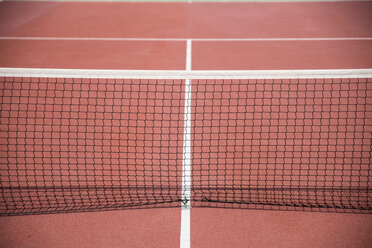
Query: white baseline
point(186, 39)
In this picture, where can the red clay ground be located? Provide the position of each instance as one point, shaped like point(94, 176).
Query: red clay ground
point(132, 55)
point(281, 55)
point(209, 227)
point(182, 20)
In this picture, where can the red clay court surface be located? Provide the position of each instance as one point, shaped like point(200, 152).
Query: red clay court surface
point(50, 35)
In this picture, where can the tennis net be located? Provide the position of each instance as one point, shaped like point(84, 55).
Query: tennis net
point(89, 140)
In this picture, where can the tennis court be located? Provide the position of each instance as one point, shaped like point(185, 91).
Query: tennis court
point(202, 124)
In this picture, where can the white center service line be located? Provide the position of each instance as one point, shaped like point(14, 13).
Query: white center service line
point(186, 165)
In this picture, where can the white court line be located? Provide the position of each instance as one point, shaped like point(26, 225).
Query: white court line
point(185, 74)
point(186, 165)
point(188, 54)
point(283, 39)
point(216, 1)
point(184, 39)
point(91, 38)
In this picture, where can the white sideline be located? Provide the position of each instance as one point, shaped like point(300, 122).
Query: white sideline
point(185, 74)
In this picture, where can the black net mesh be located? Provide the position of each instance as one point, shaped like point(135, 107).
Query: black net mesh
point(89, 144)
point(70, 145)
point(282, 144)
